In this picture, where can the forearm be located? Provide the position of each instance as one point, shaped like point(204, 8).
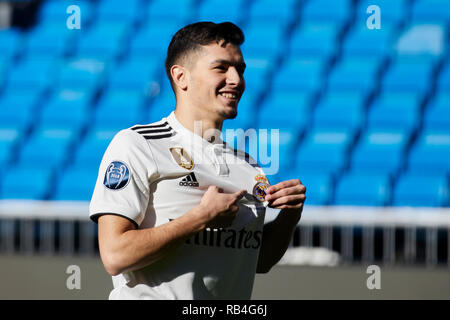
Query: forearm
point(277, 236)
point(137, 248)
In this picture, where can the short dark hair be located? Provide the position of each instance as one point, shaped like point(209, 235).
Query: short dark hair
point(190, 37)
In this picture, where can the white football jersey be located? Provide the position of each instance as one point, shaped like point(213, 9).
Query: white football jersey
point(152, 174)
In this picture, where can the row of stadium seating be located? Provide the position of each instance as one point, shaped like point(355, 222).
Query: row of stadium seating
point(353, 188)
point(404, 111)
point(240, 11)
point(315, 27)
point(363, 115)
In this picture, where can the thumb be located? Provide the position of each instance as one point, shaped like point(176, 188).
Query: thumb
point(239, 194)
point(214, 188)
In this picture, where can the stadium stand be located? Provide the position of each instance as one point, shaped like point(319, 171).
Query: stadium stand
point(362, 113)
point(218, 11)
point(367, 189)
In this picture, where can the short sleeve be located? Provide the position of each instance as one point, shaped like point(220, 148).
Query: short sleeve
point(123, 183)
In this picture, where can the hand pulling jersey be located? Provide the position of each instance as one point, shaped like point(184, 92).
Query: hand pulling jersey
point(152, 174)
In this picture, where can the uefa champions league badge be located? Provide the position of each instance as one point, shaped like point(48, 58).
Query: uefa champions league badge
point(117, 175)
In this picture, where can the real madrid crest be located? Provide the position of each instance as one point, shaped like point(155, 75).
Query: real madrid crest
point(261, 178)
point(182, 157)
point(259, 190)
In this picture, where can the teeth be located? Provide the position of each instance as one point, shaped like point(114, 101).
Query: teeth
point(229, 95)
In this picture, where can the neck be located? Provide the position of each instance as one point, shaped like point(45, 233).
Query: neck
point(200, 123)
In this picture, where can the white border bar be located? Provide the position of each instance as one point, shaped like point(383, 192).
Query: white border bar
point(312, 215)
point(372, 216)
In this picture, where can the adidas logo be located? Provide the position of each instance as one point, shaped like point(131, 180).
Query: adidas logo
point(189, 181)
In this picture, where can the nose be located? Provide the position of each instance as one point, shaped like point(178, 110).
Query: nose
point(234, 77)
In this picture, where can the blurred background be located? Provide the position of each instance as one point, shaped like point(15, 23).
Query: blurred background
point(361, 99)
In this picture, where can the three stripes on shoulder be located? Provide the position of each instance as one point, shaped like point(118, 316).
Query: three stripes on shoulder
point(154, 131)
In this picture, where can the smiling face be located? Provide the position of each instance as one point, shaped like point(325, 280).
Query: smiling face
point(213, 80)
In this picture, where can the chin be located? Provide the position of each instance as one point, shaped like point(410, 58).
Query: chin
point(228, 114)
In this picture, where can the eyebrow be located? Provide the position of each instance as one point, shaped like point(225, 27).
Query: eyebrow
point(228, 62)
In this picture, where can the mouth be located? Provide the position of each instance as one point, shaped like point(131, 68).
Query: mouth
point(230, 97)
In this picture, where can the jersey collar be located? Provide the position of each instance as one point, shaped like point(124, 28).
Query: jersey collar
point(178, 127)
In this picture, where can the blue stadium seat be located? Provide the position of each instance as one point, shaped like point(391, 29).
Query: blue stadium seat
point(431, 152)
point(55, 12)
point(280, 176)
point(355, 73)
point(115, 10)
point(76, 184)
point(409, 74)
point(105, 40)
point(49, 40)
point(315, 39)
point(392, 11)
point(56, 143)
point(135, 74)
point(11, 42)
point(6, 152)
point(67, 107)
point(265, 41)
point(431, 11)
point(161, 106)
point(81, 73)
point(264, 11)
point(119, 109)
point(90, 150)
point(327, 11)
point(219, 11)
point(324, 151)
point(394, 110)
point(437, 115)
point(433, 190)
point(153, 39)
point(422, 40)
point(5, 65)
point(340, 109)
point(32, 183)
point(33, 73)
point(443, 81)
point(289, 174)
point(302, 74)
point(10, 137)
point(363, 189)
point(180, 11)
point(273, 153)
point(18, 107)
point(319, 187)
point(274, 111)
point(272, 149)
point(380, 151)
point(257, 72)
point(365, 42)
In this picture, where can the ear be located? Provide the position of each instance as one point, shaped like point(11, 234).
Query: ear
point(179, 76)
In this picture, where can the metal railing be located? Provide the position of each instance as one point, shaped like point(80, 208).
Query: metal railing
point(387, 236)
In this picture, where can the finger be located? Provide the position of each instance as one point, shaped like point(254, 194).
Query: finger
point(282, 185)
point(297, 189)
point(292, 200)
point(234, 208)
point(239, 194)
point(213, 188)
point(284, 206)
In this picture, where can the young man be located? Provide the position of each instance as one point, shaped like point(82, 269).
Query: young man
point(180, 213)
